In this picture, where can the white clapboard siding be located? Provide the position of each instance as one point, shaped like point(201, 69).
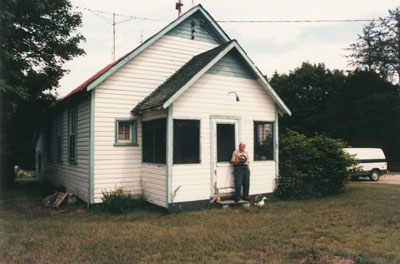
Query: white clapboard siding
point(154, 115)
point(209, 96)
point(121, 166)
point(41, 154)
point(262, 176)
point(154, 183)
point(73, 176)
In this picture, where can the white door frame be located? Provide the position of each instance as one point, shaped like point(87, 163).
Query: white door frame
point(219, 119)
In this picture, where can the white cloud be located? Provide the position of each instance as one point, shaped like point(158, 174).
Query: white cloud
point(332, 55)
point(271, 46)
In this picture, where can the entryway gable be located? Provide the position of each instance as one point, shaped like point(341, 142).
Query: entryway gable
point(232, 64)
point(200, 65)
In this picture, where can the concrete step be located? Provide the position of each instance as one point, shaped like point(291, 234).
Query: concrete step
point(227, 203)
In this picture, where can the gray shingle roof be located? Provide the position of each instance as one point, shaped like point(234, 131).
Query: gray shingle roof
point(166, 90)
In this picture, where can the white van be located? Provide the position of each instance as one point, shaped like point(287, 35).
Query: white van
point(372, 162)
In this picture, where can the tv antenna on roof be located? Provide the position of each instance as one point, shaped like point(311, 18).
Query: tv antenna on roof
point(178, 6)
point(113, 22)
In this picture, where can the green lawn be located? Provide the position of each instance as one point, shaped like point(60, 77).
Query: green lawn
point(361, 225)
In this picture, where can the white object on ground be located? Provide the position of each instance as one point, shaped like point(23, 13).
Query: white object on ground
point(261, 203)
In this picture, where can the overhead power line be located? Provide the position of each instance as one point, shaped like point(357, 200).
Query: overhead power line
point(101, 14)
point(296, 21)
point(238, 21)
point(110, 13)
point(113, 22)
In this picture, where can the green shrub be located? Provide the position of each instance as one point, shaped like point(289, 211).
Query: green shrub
point(119, 201)
point(20, 173)
point(311, 167)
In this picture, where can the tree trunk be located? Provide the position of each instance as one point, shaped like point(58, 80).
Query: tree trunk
point(6, 171)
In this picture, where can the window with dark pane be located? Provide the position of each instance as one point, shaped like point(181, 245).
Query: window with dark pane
point(263, 141)
point(72, 127)
point(59, 137)
point(160, 140)
point(154, 141)
point(147, 141)
point(225, 142)
point(186, 141)
point(48, 137)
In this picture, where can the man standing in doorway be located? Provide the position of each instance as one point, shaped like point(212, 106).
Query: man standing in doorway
point(240, 161)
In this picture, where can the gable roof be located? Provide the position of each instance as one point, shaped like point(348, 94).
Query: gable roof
point(94, 77)
point(178, 79)
point(157, 36)
point(189, 73)
point(104, 73)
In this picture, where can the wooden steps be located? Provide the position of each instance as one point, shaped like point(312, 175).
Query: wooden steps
point(227, 203)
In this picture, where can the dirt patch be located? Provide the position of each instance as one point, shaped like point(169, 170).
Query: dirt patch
point(390, 178)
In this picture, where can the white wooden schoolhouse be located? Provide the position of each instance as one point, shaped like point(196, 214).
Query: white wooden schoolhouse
point(164, 119)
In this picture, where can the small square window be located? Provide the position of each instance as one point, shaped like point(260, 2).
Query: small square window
point(125, 133)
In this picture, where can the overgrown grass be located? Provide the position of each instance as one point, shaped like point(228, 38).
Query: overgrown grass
point(362, 224)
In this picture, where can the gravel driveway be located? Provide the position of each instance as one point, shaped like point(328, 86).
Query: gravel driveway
point(390, 178)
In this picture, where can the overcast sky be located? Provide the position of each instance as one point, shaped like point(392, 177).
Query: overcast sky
point(273, 47)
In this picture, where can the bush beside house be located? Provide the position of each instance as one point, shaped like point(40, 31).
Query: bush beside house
point(119, 201)
point(311, 167)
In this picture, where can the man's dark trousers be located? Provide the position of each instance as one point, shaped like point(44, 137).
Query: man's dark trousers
point(242, 177)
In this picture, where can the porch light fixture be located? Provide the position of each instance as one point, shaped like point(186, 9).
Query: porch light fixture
point(237, 97)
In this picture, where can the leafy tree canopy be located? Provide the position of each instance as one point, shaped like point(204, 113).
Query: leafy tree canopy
point(378, 47)
point(361, 107)
point(308, 92)
point(367, 112)
point(37, 37)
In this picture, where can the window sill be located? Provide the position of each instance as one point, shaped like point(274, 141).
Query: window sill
point(187, 164)
point(263, 160)
point(73, 162)
point(154, 164)
point(126, 144)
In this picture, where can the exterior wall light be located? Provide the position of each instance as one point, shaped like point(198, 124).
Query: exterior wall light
point(237, 97)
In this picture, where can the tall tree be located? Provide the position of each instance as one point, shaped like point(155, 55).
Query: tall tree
point(308, 92)
point(37, 38)
point(368, 111)
point(362, 108)
point(378, 47)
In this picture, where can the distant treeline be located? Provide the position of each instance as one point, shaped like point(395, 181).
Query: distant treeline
point(359, 107)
